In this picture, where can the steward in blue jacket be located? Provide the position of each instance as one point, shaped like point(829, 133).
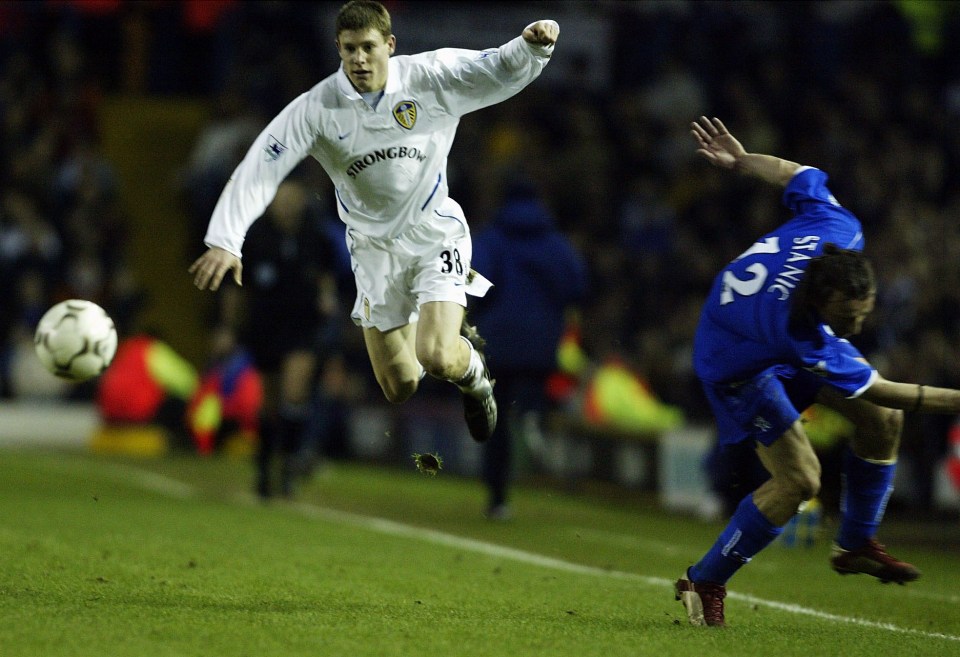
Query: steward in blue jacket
point(537, 276)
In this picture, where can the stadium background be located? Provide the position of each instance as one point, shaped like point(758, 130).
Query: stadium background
point(121, 121)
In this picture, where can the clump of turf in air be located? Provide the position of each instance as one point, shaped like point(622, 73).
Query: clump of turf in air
point(429, 464)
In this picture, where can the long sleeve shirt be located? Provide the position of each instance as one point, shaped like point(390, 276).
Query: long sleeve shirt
point(387, 163)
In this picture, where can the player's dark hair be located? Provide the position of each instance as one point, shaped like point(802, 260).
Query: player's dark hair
point(359, 15)
point(845, 271)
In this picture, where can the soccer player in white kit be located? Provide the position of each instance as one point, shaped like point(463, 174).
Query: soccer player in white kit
point(382, 128)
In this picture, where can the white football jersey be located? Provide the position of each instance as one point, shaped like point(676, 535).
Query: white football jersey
point(388, 164)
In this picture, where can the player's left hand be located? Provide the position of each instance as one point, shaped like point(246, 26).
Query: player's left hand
point(715, 143)
point(542, 33)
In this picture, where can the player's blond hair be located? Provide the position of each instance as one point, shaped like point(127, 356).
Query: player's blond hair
point(360, 15)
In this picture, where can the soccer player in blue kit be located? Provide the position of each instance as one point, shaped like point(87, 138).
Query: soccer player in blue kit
point(772, 341)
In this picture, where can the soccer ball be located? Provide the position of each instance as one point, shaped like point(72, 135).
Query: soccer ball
point(76, 340)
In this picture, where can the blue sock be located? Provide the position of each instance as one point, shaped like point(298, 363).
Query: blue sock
point(866, 488)
point(747, 533)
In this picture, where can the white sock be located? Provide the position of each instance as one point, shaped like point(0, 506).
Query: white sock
point(473, 381)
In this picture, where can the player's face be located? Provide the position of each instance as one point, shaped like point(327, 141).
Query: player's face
point(365, 54)
point(846, 316)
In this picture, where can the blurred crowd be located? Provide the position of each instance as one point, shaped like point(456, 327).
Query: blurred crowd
point(868, 91)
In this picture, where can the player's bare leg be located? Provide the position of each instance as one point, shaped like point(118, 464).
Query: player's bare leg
point(758, 520)
point(439, 347)
point(794, 475)
point(394, 360)
point(452, 350)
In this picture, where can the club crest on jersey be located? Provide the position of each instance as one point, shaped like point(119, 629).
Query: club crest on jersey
point(405, 112)
point(274, 149)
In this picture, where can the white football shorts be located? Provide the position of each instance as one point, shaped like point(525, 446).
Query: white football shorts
point(429, 262)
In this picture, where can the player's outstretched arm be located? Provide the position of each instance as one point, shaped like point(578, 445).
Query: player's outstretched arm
point(542, 33)
point(209, 269)
point(913, 397)
point(721, 149)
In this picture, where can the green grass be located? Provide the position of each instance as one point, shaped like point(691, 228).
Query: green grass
point(115, 557)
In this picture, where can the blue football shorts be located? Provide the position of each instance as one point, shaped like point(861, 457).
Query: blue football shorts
point(763, 407)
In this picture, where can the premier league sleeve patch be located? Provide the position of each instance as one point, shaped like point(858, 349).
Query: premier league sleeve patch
point(274, 149)
point(405, 112)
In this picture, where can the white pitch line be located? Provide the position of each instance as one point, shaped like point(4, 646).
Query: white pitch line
point(145, 479)
point(938, 597)
point(626, 541)
point(635, 542)
point(176, 488)
point(522, 556)
point(154, 482)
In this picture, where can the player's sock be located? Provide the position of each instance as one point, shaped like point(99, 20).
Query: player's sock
point(292, 423)
point(867, 486)
point(747, 533)
point(473, 382)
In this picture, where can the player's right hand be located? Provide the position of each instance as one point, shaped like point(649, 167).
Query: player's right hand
point(209, 269)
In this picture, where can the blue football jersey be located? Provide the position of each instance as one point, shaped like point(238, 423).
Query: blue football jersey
point(745, 323)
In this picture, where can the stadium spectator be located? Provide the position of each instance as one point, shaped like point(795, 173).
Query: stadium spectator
point(279, 316)
point(382, 129)
point(26, 376)
point(539, 271)
point(952, 462)
point(224, 412)
point(771, 342)
point(30, 250)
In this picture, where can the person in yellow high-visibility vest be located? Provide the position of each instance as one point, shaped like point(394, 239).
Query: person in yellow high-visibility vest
point(229, 398)
point(148, 382)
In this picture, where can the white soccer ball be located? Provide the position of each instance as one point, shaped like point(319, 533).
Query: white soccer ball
point(76, 340)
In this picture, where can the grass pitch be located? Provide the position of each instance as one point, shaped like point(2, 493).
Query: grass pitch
point(149, 558)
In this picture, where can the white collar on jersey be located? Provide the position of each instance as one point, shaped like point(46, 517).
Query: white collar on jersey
point(393, 80)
